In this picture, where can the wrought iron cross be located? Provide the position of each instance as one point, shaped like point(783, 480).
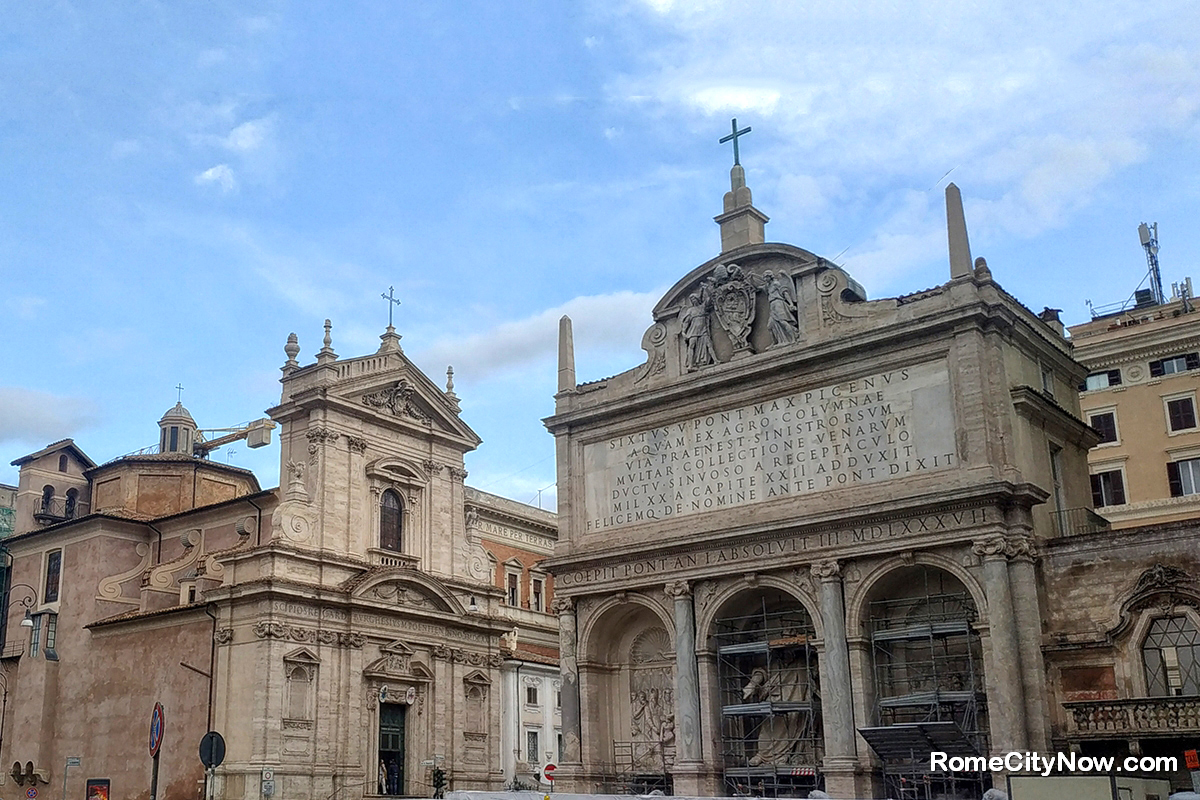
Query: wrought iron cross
point(733, 137)
point(392, 299)
point(179, 389)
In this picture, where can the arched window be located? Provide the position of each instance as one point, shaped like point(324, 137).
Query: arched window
point(72, 503)
point(1171, 654)
point(47, 497)
point(391, 521)
point(299, 683)
point(62, 463)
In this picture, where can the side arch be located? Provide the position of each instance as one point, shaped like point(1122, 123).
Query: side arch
point(857, 605)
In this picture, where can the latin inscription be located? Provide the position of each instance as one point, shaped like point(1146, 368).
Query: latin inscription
point(503, 532)
point(771, 549)
point(877, 428)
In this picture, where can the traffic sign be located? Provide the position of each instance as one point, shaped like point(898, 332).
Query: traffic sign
point(158, 725)
point(73, 761)
point(548, 772)
point(212, 749)
point(31, 793)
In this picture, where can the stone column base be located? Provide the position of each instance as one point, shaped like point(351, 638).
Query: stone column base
point(694, 779)
point(846, 781)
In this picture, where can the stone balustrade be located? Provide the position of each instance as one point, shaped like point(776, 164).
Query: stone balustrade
point(1142, 716)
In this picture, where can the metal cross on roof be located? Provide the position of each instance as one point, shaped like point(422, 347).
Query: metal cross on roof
point(179, 389)
point(392, 299)
point(733, 137)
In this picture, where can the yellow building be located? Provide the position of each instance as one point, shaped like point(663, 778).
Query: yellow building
point(1140, 395)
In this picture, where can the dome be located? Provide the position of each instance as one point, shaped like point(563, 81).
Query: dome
point(177, 431)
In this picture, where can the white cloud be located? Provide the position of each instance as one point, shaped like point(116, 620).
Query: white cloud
point(1037, 107)
point(221, 175)
point(599, 322)
point(26, 307)
point(38, 418)
point(248, 136)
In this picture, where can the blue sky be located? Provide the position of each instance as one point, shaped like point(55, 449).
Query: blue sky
point(183, 184)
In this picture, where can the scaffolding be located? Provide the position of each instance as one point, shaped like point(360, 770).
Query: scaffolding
point(641, 767)
point(771, 743)
point(928, 688)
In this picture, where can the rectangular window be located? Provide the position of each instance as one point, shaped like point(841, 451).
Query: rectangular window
point(1108, 489)
point(1048, 381)
point(53, 571)
point(51, 636)
point(1101, 380)
point(558, 735)
point(1181, 414)
point(1106, 425)
point(536, 602)
point(35, 637)
point(558, 699)
point(531, 695)
point(1184, 477)
point(1174, 364)
point(532, 746)
point(514, 589)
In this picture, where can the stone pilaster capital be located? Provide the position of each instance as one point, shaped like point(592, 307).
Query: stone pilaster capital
point(678, 590)
point(826, 571)
point(1021, 548)
point(562, 605)
point(992, 548)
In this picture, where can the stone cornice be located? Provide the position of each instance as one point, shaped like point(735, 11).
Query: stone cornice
point(1037, 407)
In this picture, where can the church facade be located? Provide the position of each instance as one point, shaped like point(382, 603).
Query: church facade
point(347, 633)
point(800, 546)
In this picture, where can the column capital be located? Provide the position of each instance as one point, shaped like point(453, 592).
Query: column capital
point(562, 605)
point(678, 590)
point(1021, 548)
point(826, 571)
point(992, 548)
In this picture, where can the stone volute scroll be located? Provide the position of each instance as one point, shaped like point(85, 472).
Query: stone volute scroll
point(678, 590)
point(294, 519)
point(993, 547)
point(826, 570)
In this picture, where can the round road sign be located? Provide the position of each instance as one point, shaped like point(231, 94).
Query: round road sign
point(31, 793)
point(212, 749)
point(158, 725)
point(548, 773)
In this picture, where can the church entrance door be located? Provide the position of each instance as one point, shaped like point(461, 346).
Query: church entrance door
point(391, 746)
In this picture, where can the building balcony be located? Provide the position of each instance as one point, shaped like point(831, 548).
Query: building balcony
point(1072, 521)
point(1142, 717)
point(56, 510)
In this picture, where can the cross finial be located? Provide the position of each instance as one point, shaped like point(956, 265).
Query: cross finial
point(179, 390)
point(733, 137)
point(392, 300)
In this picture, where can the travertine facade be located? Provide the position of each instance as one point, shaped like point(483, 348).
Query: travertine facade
point(356, 623)
point(807, 520)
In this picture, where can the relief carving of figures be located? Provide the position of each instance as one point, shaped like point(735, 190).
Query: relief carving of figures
point(398, 399)
point(733, 302)
point(696, 328)
point(781, 302)
point(652, 717)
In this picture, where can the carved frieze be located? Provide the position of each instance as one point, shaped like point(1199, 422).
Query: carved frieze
point(460, 656)
point(279, 630)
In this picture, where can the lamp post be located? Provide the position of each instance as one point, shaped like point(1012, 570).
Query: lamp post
point(28, 602)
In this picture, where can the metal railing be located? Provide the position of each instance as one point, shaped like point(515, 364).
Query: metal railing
point(1072, 521)
point(56, 509)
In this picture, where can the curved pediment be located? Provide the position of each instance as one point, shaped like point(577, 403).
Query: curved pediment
point(400, 470)
point(407, 588)
point(753, 259)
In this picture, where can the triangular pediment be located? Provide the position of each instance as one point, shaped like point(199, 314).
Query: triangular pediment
point(477, 678)
point(302, 655)
point(397, 647)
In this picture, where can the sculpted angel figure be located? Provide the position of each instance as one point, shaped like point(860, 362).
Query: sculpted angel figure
point(697, 334)
point(781, 301)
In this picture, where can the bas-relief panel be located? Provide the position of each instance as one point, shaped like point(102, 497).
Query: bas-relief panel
point(872, 429)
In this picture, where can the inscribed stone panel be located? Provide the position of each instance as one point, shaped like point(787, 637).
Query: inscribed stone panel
point(871, 429)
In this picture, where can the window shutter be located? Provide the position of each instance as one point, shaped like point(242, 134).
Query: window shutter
point(1114, 377)
point(1173, 479)
point(1156, 370)
point(1118, 488)
point(1083, 386)
point(1193, 360)
point(1097, 493)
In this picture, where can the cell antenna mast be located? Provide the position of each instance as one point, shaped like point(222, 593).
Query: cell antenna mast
point(1149, 236)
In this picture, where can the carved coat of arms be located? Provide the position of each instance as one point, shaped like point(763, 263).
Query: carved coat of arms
point(733, 302)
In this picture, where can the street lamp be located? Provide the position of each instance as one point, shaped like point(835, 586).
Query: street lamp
point(28, 602)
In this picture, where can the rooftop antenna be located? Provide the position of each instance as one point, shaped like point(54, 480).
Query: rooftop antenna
point(1149, 236)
